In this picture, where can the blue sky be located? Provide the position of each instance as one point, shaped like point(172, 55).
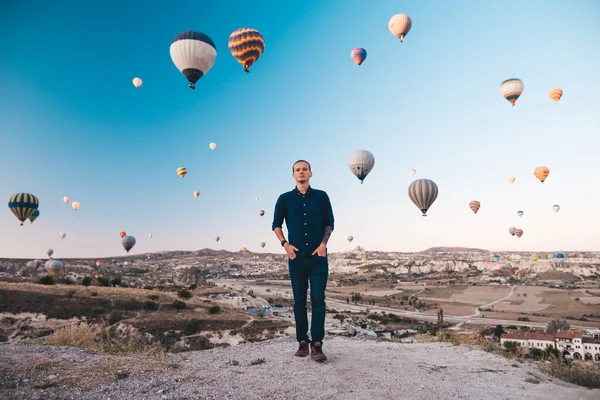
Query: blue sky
point(72, 124)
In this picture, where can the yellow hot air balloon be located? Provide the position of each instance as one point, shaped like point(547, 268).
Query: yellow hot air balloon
point(541, 173)
point(511, 179)
point(364, 260)
point(212, 146)
point(137, 82)
point(244, 249)
point(246, 46)
point(75, 205)
point(555, 94)
point(181, 172)
point(534, 257)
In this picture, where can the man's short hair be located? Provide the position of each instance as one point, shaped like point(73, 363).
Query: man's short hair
point(299, 161)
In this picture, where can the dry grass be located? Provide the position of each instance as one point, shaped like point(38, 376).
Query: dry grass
point(96, 338)
point(578, 372)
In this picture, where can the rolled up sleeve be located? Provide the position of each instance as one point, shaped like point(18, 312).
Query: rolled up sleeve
point(327, 212)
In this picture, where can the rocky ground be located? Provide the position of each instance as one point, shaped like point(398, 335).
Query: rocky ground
point(357, 368)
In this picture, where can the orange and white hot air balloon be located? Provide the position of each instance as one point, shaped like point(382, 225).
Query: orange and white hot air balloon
point(137, 82)
point(122, 234)
point(212, 146)
point(511, 179)
point(541, 173)
point(555, 94)
point(196, 194)
point(66, 200)
point(75, 205)
point(475, 205)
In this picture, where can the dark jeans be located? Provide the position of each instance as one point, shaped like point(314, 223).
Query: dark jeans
point(313, 269)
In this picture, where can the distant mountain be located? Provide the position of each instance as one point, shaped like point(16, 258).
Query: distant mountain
point(454, 250)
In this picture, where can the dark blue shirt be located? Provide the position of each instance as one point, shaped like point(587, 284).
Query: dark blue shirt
point(306, 216)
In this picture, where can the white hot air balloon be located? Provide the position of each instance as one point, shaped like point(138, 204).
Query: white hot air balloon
point(150, 235)
point(194, 54)
point(400, 25)
point(54, 268)
point(556, 207)
point(413, 172)
point(62, 235)
point(50, 252)
point(137, 82)
point(350, 238)
point(361, 163)
point(66, 200)
point(423, 193)
point(75, 205)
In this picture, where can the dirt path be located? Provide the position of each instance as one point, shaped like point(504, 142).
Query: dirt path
point(356, 369)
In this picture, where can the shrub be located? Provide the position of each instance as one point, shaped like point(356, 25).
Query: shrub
point(523, 319)
point(578, 373)
point(184, 294)
point(215, 309)
point(153, 297)
point(115, 281)
point(47, 280)
point(150, 305)
point(103, 281)
point(87, 281)
point(192, 326)
point(179, 305)
point(94, 294)
point(67, 281)
point(70, 294)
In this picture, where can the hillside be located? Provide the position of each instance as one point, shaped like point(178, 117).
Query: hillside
point(454, 250)
point(356, 369)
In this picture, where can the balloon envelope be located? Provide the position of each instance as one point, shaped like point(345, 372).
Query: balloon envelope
point(511, 89)
point(541, 173)
point(128, 242)
point(423, 193)
point(358, 55)
point(137, 82)
point(555, 95)
point(399, 25)
point(361, 162)
point(181, 171)
point(474, 206)
point(194, 54)
point(23, 205)
point(55, 268)
point(246, 46)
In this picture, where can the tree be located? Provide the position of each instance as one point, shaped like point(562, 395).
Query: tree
point(184, 294)
point(499, 331)
point(348, 300)
point(440, 316)
point(557, 325)
point(87, 281)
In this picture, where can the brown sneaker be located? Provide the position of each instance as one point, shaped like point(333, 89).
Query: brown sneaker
point(316, 353)
point(302, 350)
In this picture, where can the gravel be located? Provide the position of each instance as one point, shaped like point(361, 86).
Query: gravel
point(357, 369)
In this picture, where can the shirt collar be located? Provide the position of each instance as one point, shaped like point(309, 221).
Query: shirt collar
point(308, 191)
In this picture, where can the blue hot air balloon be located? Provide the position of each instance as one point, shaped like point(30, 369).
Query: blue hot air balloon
point(23, 205)
point(560, 255)
point(34, 216)
point(128, 242)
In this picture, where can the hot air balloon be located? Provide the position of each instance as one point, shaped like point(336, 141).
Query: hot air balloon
point(358, 55)
point(519, 233)
point(511, 179)
point(423, 193)
point(244, 249)
point(23, 205)
point(62, 235)
point(556, 207)
point(196, 194)
point(555, 95)
point(137, 82)
point(99, 263)
point(497, 256)
point(212, 146)
point(400, 25)
point(181, 171)
point(541, 173)
point(534, 257)
point(560, 255)
point(520, 213)
point(50, 252)
point(511, 89)
point(34, 216)
point(194, 54)
point(122, 234)
point(257, 199)
point(364, 260)
point(361, 163)
point(350, 238)
point(217, 238)
point(512, 230)
point(246, 46)
point(54, 268)
point(75, 205)
point(66, 199)
point(474, 206)
point(128, 242)
point(150, 235)
point(413, 172)
point(261, 212)
point(263, 244)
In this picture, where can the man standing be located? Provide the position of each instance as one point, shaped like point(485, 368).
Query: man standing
point(309, 219)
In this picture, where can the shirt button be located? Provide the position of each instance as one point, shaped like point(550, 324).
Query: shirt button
point(305, 223)
point(307, 244)
point(303, 205)
point(305, 234)
point(304, 213)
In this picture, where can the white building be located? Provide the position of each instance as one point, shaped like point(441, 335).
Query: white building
point(569, 344)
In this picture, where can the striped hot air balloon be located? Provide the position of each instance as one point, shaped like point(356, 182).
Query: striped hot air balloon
point(423, 193)
point(519, 233)
point(358, 55)
point(246, 46)
point(23, 205)
point(555, 95)
point(474, 206)
point(181, 171)
point(400, 25)
point(361, 162)
point(511, 89)
point(194, 54)
point(55, 267)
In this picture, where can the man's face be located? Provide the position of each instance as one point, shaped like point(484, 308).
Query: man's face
point(301, 172)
